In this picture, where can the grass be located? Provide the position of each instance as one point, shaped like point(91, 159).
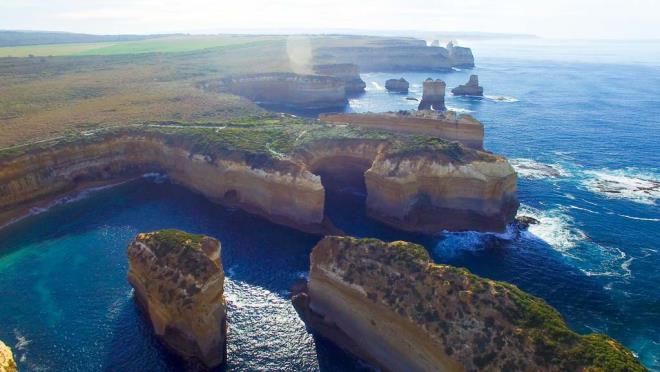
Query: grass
point(172, 44)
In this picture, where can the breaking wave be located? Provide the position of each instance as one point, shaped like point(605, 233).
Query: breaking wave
point(504, 99)
point(626, 183)
point(534, 170)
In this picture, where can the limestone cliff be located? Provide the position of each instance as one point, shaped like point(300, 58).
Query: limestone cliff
point(471, 88)
point(390, 305)
point(462, 128)
point(460, 56)
point(300, 91)
point(433, 95)
point(280, 190)
point(7, 363)
point(347, 72)
point(397, 85)
point(422, 188)
point(179, 282)
point(413, 182)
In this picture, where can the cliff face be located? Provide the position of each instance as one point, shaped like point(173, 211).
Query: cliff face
point(7, 363)
point(302, 91)
point(388, 58)
point(460, 56)
point(347, 72)
point(421, 192)
point(179, 282)
point(471, 88)
point(433, 95)
point(391, 306)
point(462, 128)
point(414, 183)
point(285, 192)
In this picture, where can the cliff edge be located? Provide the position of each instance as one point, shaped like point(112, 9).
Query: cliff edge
point(179, 282)
point(389, 304)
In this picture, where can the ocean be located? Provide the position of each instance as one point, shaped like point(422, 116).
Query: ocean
point(580, 121)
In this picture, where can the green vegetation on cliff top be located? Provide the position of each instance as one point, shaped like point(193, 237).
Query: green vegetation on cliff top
point(554, 342)
point(163, 242)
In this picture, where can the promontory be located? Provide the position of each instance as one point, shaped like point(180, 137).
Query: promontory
point(390, 305)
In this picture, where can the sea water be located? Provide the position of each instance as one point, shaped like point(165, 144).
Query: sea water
point(580, 123)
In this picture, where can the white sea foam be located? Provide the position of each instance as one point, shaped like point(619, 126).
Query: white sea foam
point(534, 170)
point(639, 218)
point(452, 242)
point(554, 227)
point(630, 184)
point(458, 110)
point(504, 99)
point(376, 86)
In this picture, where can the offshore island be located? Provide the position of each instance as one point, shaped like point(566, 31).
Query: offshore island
point(424, 170)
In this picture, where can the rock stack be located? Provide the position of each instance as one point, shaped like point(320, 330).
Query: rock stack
point(179, 282)
point(471, 88)
point(397, 85)
point(389, 304)
point(433, 96)
point(460, 56)
point(7, 363)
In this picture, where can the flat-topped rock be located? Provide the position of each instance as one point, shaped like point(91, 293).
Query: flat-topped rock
point(348, 72)
point(7, 362)
point(460, 56)
point(433, 95)
point(397, 85)
point(179, 281)
point(390, 305)
point(471, 88)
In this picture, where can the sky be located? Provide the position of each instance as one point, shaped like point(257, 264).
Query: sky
point(583, 19)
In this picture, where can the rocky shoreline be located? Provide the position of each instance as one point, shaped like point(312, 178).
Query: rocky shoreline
point(412, 183)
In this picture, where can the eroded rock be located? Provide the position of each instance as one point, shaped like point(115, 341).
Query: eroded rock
point(471, 88)
point(7, 362)
point(179, 281)
point(397, 85)
point(390, 305)
point(348, 72)
point(433, 96)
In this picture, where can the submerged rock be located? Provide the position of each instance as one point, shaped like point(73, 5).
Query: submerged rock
point(471, 88)
point(390, 305)
point(7, 362)
point(523, 222)
point(433, 96)
point(397, 85)
point(179, 282)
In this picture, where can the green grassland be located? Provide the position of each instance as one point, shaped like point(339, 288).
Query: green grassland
point(171, 44)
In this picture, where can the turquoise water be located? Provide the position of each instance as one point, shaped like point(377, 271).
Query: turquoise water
point(579, 122)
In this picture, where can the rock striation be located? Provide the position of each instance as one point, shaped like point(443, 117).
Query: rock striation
point(414, 182)
point(460, 56)
point(283, 88)
point(179, 281)
point(393, 55)
point(397, 85)
point(348, 72)
point(447, 125)
point(433, 95)
point(390, 305)
point(471, 88)
point(7, 362)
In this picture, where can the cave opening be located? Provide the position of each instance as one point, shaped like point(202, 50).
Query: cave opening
point(345, 189)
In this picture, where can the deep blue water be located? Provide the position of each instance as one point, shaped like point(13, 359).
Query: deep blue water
point(581, 125)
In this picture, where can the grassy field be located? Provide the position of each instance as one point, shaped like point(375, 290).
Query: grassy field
point(172, 44)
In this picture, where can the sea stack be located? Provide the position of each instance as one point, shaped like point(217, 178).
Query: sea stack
point(433, 96)
point(7, 362)
point(471, 88)
point(397, 85)
point(179, 282)
point(391, 306)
